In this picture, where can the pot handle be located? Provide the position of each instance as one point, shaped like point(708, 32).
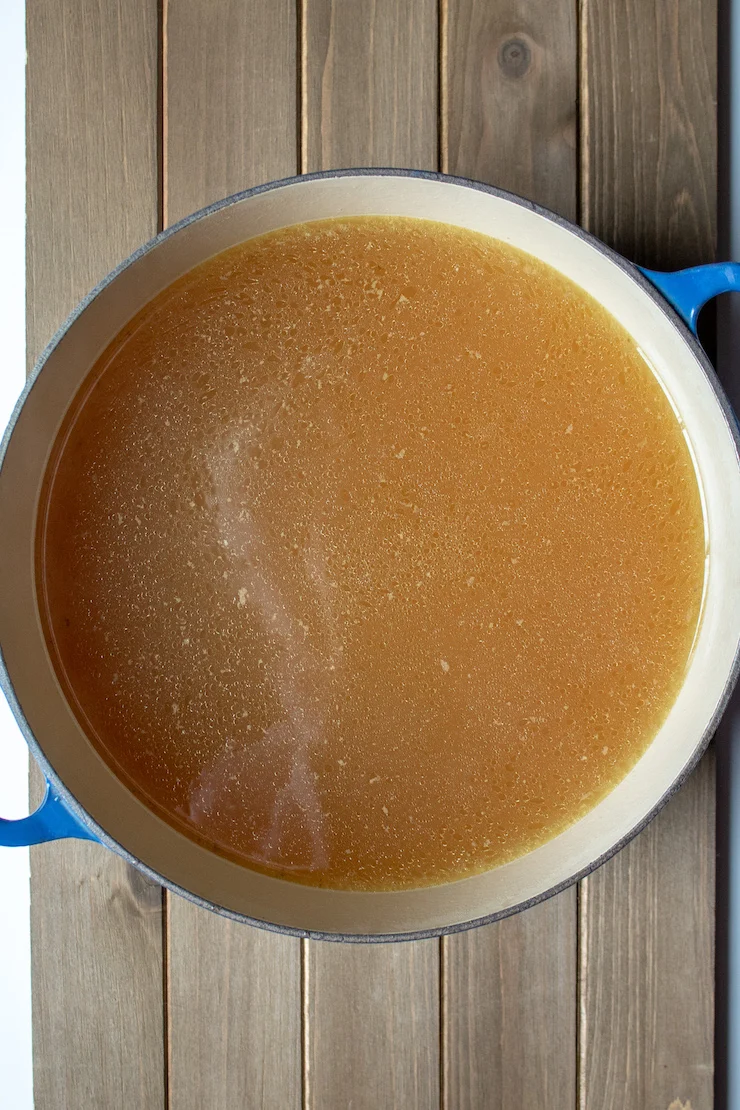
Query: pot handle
point(51, 821)
point(689, 290)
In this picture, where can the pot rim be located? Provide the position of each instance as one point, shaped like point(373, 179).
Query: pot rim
point(647, 288)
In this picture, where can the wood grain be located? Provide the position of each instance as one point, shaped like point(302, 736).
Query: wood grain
point(510, 85)
point(373, 1026)
point(509, 1031)
point(648, 187)
point(510, 1017)
point(649, 128)
point(235, 1016)
point(92, 198)
point(96, 948)
point(231, 98)
point(370, 98)
point(647, 969)
point(92, 149)
point(370, 84)
point(233, 999)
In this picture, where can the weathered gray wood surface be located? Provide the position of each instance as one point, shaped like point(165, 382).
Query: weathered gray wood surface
point(603, 110)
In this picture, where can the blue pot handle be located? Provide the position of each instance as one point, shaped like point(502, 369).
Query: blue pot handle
point(689, 290)
point(51, 821)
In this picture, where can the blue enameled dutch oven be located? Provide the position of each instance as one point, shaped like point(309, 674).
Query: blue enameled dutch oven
point(85, 799)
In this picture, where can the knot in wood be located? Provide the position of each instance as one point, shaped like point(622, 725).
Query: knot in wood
point(515, 56)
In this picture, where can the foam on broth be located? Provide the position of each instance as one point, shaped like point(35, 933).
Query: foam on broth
point(371, 553)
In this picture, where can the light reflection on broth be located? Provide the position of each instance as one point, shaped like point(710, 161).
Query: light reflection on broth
point(372, 553)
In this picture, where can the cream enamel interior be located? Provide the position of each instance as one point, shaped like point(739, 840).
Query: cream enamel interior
point(224, 883)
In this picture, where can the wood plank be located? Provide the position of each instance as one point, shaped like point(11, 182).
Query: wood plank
point(231, 91)
point(649, 128)
point(370, 98)
point(234, 1014)
point(510, 83)
point(509, 1004)
point(234, 993)
point(92, 198)
point(509, 1030)
point(647, 969)
point(370, 84)
point(96, 956)
point(372, 1026)
point(647, 938)
point(92, 149)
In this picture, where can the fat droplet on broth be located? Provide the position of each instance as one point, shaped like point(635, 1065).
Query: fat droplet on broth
point(362, 571)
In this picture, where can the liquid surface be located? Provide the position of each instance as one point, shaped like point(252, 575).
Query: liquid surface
point(373, 554)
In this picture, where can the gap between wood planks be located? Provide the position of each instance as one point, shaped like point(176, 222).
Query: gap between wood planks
point(162, 223)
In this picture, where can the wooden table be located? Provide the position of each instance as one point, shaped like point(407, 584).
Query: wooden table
point(140, 112)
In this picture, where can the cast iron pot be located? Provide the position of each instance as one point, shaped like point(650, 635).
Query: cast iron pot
point(85, 799)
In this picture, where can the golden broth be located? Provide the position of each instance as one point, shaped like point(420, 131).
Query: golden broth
point(372, 553)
